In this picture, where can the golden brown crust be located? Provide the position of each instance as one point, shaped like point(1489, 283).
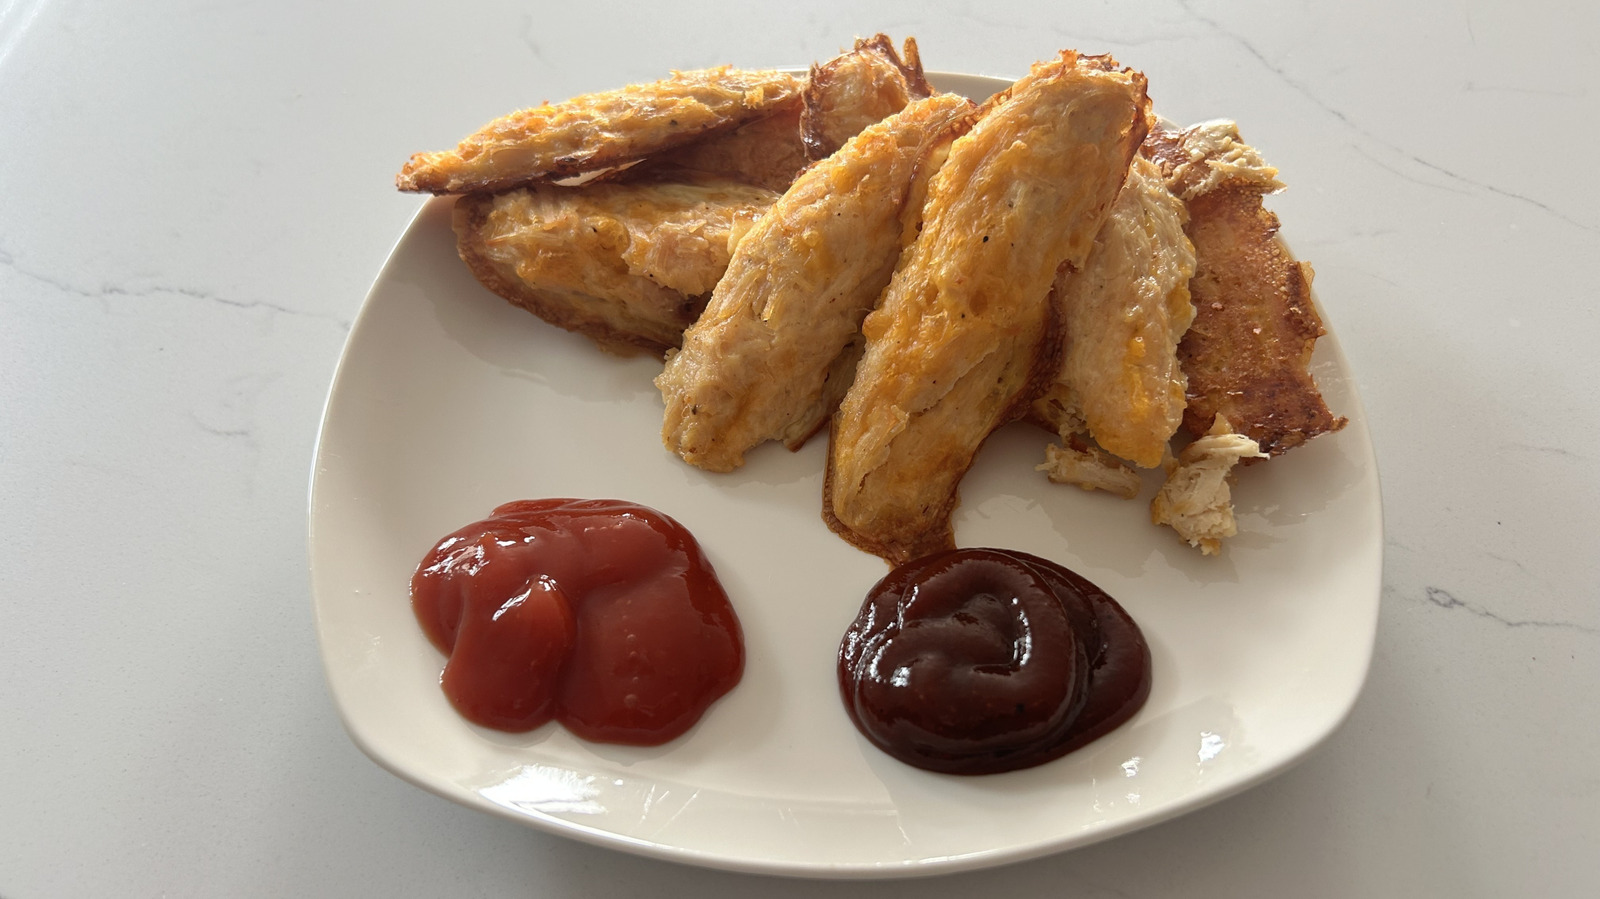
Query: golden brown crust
point(599, 131)
point(767, 358)
point(1248, 353)
point(628, 264)
point(857, 88)
point(964, 337)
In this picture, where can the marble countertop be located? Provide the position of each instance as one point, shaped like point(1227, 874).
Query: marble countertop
point(194, 199)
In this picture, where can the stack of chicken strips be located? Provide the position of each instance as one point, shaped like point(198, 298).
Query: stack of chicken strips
point(851, 248)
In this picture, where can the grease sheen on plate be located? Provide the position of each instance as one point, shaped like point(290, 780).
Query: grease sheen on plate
point(449, 401)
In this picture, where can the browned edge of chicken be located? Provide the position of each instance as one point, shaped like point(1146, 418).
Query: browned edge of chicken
point(856, 88)
point(598, 131)
point(1248, 353)
point(565, 309)
point(767, 152)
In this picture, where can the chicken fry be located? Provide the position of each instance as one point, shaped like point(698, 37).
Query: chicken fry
point(841, 97)
point(1122, 318)
point(628, 264)
point(599, 131)
point(763, 360)
point(1248, 354)
point(857, 88)
point(964, 337)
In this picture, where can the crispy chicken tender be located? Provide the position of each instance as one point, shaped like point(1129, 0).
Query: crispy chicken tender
point(965, 335)
point(1248, 354)
point(599, 131)
point(1196, 499)
point(841, 97)
point(1122, 317)
point(857, 88)
point(629, 264)
point(776, 346)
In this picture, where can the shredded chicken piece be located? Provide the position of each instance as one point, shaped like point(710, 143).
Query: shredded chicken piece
point(1089, 467)
point(1196, 500)
point(1209, 155)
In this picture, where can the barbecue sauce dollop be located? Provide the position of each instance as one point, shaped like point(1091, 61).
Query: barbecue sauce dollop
point(977, 661)
point(602, 614)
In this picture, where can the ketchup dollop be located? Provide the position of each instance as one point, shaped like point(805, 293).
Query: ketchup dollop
point(976, 661)
point(602, 614)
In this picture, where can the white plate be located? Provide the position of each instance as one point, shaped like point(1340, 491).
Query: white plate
point(449, 401)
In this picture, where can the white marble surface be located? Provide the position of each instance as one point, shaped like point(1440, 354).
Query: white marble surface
point(194, 198)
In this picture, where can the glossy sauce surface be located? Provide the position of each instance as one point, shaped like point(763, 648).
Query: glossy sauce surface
point(977, 661)
point(602, 614)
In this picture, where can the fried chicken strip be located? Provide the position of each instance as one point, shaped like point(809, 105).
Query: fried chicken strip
point(857, 88)
point(1122, 317)
point(841, 97)
point(965, 334)
point(599, 131)
point(629, 264)
point(1248, 354)
point(770, 356)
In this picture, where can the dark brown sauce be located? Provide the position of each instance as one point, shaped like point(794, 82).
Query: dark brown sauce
point(602, 614)
point(977, 661)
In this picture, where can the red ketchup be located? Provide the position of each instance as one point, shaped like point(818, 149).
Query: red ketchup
point(601, 614)
point(976, 661)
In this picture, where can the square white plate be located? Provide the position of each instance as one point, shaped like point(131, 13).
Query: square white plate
point(449, 401)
